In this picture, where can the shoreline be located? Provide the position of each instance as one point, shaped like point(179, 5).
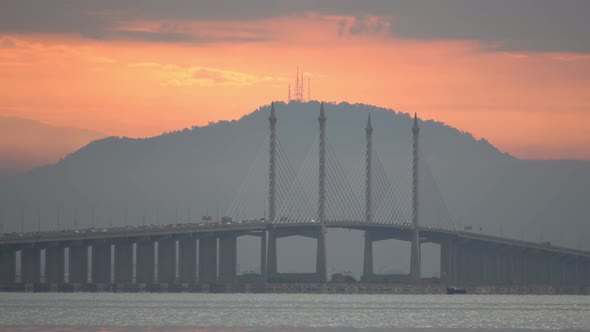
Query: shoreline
point(298, 288)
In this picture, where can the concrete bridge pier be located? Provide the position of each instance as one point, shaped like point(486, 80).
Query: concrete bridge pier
point(446, 261)
point(321, 267)
point(489, 262)
point(124, 262)
point(272, 254)
point(536, 269)
point(263, 258)
point(518, 266)
point(503, 265)
point(585, 273)
point(101, 263)
point(469, 264)
point(187, 260)
point(7, 265)
point(167, 261)
point(227, 258)
point(54, 265)
point(528, 266)
point(572, 273)
point(368, 257)
point(145, 262)
point(208, 259)
point(78, 264)
point(553, 270)
point(31, 265)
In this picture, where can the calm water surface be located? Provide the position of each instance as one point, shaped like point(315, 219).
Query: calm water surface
point(292, 312)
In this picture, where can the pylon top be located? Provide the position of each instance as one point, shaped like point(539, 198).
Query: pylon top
point(272, 117)
point(322, 117)
point(369, 125)
point(415, 128)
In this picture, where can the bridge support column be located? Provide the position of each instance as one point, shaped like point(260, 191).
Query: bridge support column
point(498, 266)
point(263, 266)
point(459, 276)
point(31, 265)
point(145, 265)
point(525, 267)
point(208, 259)
point(368, 257)
point(187, 260)
point(501, 273)
point(167, 261)
point(446, 261)
point(469, 264)
point(7, 266)
point(227, 258)
point(78, 266)
point(124, 262)
point(454, 262)
point(101, 263)
point(485, 275)
point(586, 273)
point(272, 254)
point(550, 268)
point(54, 265)
point(321, 268)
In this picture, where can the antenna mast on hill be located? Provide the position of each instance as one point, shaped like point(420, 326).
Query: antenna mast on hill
point(301, 90)
point(298, 89)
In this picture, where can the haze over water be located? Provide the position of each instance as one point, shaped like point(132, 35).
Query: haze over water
point(288, 312)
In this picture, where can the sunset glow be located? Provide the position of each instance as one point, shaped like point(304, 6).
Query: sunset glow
point(531, 104)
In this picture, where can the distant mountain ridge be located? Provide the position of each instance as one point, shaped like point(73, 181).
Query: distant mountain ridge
point(193, 172)
point(26, 144)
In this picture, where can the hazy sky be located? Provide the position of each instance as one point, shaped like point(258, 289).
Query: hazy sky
point(514, 72)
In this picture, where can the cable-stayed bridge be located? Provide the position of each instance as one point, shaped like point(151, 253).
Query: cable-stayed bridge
point(306, 202)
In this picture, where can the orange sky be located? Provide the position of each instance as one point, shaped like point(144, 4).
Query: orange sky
point(529, 104)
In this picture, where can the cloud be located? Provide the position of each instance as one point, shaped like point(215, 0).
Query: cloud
point(209, 76)
point(144, 65)
point(507, 25)
point(526, 25)
point(363, 25)
point(7, 43)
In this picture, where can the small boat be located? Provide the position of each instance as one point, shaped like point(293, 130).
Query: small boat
point(453, 290)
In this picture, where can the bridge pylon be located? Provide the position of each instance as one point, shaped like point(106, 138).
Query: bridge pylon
point(321, 269)
point(368, 249)
point(416, 262)
point(271, 263)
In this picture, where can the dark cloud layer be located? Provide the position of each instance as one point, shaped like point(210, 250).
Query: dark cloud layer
point(521, 25)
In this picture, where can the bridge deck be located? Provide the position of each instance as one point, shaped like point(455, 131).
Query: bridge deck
point(246, 227)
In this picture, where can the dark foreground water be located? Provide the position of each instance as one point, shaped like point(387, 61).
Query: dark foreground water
point(293, 312)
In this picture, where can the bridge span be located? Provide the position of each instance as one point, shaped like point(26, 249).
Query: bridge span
point(206, 253)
